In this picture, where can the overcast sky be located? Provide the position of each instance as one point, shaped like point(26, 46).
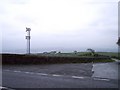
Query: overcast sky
point(62, 25)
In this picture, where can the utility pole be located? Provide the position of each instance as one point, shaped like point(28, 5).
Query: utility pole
point(28, 39)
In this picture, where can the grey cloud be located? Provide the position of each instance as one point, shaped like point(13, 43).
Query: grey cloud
point(99, 33)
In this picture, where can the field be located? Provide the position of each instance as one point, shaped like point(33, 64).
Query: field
point(111, 54)
point(82, 54)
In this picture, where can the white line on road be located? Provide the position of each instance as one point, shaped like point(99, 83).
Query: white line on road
point(101, 79)
point(42, 74)
point(56, 75)
point(5, 88)
point(31, 73)
point(16, 71)
point(27, 72)
point(2, 87)
point(78, 77)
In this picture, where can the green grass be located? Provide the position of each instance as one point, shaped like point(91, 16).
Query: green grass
point(111, 54)
point(108, 53)
point(83, 54)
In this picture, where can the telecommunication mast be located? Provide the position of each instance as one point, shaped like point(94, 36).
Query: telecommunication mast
point(28, 39)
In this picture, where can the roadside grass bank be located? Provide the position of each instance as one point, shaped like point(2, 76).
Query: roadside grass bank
point(37, 59)
point(110, 54)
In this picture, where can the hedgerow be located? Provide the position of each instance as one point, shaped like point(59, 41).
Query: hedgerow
point(33, 59)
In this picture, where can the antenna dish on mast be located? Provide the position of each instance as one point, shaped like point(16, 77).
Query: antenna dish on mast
point(28, 29)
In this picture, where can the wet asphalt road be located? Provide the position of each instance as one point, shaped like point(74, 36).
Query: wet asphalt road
point(23, 80)
point(55, 76)
point(61, 69)
point(106, 70)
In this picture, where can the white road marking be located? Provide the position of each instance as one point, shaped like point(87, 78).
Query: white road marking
point(101, 79)
point(24, 72)
point(27, 72)
point(42, 74)
point(56, 75)
point(5, 88)
point(31, 73)
point(2, 87)
point(16, 71)
point(77, 77)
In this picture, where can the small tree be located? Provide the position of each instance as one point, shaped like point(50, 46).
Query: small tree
point(91, 51)
point(59, 52)
point(75, 52)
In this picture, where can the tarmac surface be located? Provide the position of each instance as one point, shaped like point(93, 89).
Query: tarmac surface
point(106, 70)
point(61, 76)
point(83, 69)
